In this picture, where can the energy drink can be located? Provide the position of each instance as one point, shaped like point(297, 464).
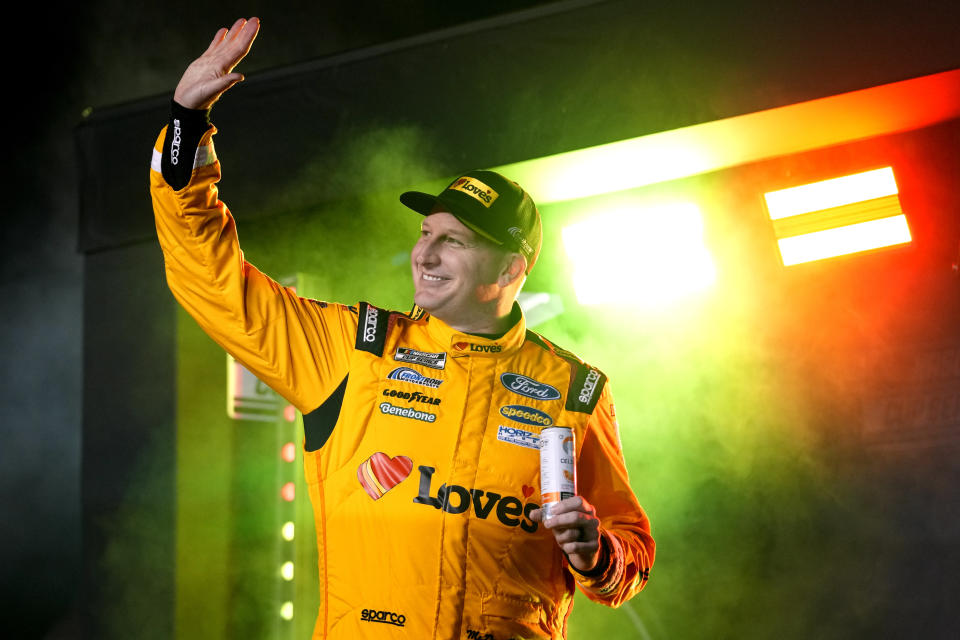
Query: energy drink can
point(558, 467)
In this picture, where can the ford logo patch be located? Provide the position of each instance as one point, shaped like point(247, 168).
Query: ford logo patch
point(524, 386)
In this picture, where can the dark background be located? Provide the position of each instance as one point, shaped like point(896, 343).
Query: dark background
point(108, 60)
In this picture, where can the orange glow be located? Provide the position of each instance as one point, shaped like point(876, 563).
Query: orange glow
point(700, 148)
point(854, 238)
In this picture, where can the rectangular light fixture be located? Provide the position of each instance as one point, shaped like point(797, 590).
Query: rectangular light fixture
point(845, 215)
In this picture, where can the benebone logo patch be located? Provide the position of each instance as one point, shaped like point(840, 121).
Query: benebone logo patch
point(475, 188)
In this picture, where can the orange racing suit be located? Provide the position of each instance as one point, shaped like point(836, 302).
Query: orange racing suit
point(420, 445)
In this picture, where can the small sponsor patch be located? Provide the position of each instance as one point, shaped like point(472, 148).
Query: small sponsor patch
point(387, 617)
point(528, 387)
point(476, 189)
point(406, 412)
point(406, 374)
point(477, 348)
point(518, 236)
point(425, 358)
point(410, 396)
point(526, 415)
point(589, 386)
point(513, 435)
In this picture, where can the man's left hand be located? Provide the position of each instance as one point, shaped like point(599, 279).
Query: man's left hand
point(576, 528)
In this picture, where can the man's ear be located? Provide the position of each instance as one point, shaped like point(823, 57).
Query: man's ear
point(515, 268)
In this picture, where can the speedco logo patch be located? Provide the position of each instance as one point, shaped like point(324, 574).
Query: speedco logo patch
point(388, 617)
point(405, 412)
point(425, 358)
point(524, 386)
point(589, 386)
point(370, 325)
point(514, 435)
point(476, 189)
point(526, 415)
point(406, 374)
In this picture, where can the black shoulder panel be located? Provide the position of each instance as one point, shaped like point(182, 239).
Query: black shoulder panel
point(372, 329)
point(586, 382)
point(319, 423)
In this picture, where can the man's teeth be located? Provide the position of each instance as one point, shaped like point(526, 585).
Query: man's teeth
point(432, 278)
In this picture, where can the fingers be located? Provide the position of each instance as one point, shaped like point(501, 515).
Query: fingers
point(241, 36)
point(573, 520)
point(210, 75)
point(217, 39)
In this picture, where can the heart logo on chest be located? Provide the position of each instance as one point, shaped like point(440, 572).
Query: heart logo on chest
point(379, 473)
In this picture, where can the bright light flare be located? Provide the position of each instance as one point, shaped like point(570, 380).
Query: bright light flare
point(288, 530)
point(286, 611)
point(835, 192)
point(286, 571)
point(646, 257)
point(854, 238)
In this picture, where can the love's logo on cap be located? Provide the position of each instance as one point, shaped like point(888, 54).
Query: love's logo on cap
point(379, 473)
point(476, 189)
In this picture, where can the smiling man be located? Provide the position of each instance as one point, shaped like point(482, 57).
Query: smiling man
point(421, 430)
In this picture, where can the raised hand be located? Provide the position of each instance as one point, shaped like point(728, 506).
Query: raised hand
point(210, 75)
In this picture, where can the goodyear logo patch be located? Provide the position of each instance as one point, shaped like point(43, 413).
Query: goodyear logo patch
point(476, 189)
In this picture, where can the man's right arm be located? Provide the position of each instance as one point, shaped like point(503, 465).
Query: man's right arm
point(297, 346)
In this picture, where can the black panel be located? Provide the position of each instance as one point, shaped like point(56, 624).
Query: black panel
point(319, 423)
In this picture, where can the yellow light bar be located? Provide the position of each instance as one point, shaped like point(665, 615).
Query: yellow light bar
point(863, 236)
point(831, 193)
point(835, 217)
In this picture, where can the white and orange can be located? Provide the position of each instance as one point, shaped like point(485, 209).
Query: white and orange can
point(558, 466)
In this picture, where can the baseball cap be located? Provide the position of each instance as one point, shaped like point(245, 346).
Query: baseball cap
point(492, 206)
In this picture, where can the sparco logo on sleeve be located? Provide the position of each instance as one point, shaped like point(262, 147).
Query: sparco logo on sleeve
point(526, 415)
point(175, 143)
point(388, 617)
point(528, 387)
point(406, 374)
point(425, 358)
point(370, 324)
point(476, 189)
point(589, 386)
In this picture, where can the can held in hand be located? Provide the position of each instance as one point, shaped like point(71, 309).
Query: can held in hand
point(558, 467)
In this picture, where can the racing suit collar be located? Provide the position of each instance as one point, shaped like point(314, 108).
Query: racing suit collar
point(458, 343)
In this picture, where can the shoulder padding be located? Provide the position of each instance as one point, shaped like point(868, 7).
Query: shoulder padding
point(586, 382)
